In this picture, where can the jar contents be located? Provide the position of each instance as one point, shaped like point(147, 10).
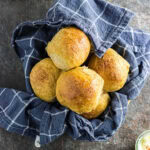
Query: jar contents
point(144, 142)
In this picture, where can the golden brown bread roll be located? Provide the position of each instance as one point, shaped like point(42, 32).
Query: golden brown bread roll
point(79, 89)
point(43, 79)
point(113, 68)
point(102, 105)
point(69, 48)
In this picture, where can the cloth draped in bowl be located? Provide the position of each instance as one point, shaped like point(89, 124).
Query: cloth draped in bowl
point(107, 26)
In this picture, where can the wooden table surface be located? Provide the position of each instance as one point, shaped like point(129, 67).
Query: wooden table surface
point(13, 12)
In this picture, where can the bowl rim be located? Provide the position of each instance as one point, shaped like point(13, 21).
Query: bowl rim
point(139, 137)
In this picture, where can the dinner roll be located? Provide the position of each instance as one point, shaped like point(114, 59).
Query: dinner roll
point(102, 105)
point(43, 79)
point(79, 89)
point(69, 48)
point(113, 68)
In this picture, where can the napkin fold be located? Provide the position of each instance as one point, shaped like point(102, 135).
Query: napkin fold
point(107, 26)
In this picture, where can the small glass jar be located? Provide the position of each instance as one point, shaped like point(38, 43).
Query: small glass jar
point(139, 140)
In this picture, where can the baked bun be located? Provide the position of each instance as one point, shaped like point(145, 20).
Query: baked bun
point(102, 105)
point(69, 48)
point(43, 79)
point(113, 68)
point(79, 89)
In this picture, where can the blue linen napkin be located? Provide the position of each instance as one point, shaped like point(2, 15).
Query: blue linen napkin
point(107, 26)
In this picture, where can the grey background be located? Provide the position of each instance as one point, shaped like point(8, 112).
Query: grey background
point(13, 12)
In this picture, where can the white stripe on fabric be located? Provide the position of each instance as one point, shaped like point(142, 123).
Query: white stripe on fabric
point(53, 7)
point(28, 61)
point(108, 117)
point(98, 126)
point(35, 117)
point(75, 126)
point(104, 19)
point(22, 109)
point(98, 16)
point(21, 40)
point(88, 124)
point(116, 109)
point(20, 125)
point(137, 32)
point(133, 70)
point(49, 130)
point(27, 127)
point(133, 47)
point(148, 53)
point(53, 114)
point(20, 31)
point(138, 84)
point(124, 51)
point(103, 40)
point(76, 12)
point(27, 77)
point(97, 36)
point(73, 12)
point(34, 38)
point(27, 56)
point(135, 86)
point(146, 61)
point(121, 109)
point(92, 8)
point(54, 13)
point(50, 135)
point(2, 91)
point(15, 94)
point(132, 35)
point(116, 5)
point(31, 41)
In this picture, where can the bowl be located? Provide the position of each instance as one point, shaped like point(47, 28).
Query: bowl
point(142, 139)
